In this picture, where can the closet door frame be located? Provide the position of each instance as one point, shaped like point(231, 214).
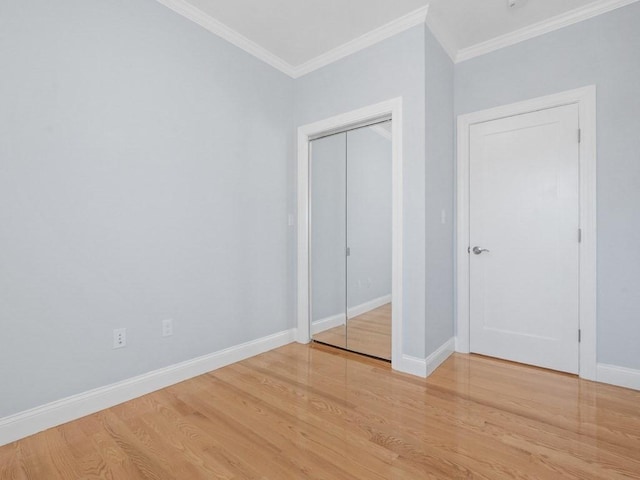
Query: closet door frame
point(391, 109)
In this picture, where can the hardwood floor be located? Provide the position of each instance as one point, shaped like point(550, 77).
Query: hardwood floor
point(312, 412)
point(369, 333)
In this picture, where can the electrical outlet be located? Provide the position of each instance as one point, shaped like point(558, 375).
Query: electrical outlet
point(167, 327)
point(119, 338)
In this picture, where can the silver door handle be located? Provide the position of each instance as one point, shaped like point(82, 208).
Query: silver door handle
point(478, 250)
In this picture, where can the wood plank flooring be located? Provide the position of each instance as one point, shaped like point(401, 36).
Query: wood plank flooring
point(310, 412)
point(369, 333)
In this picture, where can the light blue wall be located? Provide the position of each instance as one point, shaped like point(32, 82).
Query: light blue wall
point(389, 69)
point(144, 174)
point(604, 51)
point(439, 128)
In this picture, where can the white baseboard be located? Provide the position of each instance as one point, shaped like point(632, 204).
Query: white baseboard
point(436, 359)
point(339, 319)
point(368, 306)
point(412, 365)
point(328, 323)
point(423, 367)
point(610, 374)
point(62, 411)
point(620, 376)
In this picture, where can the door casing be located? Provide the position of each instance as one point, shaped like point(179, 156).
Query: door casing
point(585, 98)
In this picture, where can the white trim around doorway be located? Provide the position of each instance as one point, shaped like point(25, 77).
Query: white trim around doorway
point(392, 108)
point(585, 98)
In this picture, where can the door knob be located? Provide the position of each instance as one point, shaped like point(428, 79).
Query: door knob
point(478, 250)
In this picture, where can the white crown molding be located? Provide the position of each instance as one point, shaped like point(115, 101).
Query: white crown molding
point(56, 413)
point(412, 19)
point(184, 8)
point(555, 23)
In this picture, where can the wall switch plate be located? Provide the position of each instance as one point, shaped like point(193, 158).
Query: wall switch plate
point(291, 220)
point(167, 327)
point(119, 338)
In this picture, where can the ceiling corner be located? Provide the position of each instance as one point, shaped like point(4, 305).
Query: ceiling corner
point(548, 25)
point(412, 19)
point(187, 10)
point(443, 37)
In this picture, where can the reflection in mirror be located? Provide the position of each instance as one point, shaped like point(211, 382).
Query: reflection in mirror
point(328, 239)
point(369, 236)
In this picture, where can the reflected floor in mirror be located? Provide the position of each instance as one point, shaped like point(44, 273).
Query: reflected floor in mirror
point(369, 333)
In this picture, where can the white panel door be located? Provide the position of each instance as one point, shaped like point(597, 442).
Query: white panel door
point(524, 210)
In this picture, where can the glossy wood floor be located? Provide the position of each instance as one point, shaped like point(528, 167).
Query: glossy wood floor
point(369, 333)
point(306, 412)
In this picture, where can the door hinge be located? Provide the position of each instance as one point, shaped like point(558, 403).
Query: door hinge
point(579, 235)
point(579, 336)
point(579, 135)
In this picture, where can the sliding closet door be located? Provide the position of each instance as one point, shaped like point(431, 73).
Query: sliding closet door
point(328, 164)
point(369, 236)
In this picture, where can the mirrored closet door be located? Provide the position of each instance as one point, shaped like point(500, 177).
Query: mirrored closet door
point(350, 239)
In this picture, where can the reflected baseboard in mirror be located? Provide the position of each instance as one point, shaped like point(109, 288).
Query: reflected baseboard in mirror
point(368, 333)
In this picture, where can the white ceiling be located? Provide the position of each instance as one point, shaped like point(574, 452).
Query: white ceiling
point(298, 36)
point(467, 24)
point(470, 22)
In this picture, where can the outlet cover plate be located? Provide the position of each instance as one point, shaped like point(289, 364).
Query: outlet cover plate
point(167, 327)
point(119, 338)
